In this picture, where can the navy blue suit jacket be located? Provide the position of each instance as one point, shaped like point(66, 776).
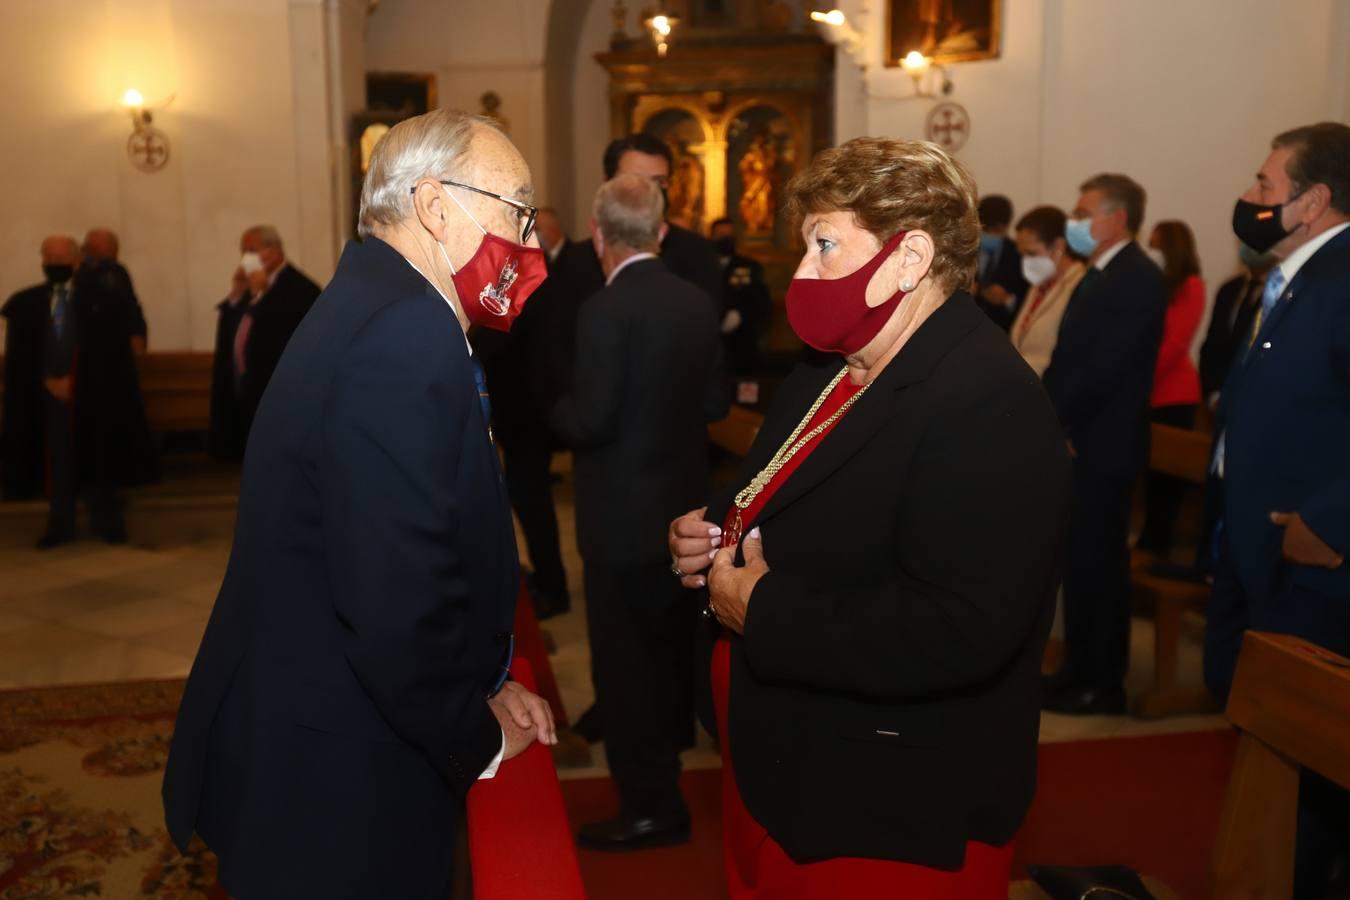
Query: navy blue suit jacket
point(1101, 373)
point(336, 713)
point(1285, 416)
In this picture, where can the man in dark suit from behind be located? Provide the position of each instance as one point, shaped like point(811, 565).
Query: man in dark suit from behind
point(747, 306)
point(552, 235)
point(100, 251)
point(1100, 379)
point(649, 380)
point(578, 275)
point(73, 420)
point(1000, 284)
point(351, 686)
point(1230, 323)
point(1283, 427)
point(268, 298)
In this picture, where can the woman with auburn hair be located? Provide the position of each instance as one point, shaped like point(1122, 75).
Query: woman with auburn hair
point(1176, 381)
point(884, 567)
point(1053, 271)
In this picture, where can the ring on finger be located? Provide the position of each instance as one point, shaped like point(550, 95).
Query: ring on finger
point(675, 569)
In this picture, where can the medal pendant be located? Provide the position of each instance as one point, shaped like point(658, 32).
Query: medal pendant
point(733, 536)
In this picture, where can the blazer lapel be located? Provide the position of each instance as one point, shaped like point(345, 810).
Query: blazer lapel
point(935, 338)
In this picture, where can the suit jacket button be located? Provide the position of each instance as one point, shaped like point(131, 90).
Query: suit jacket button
point(1266, 345)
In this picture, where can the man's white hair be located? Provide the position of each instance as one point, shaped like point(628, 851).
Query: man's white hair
point(628, 211)
point(431, 145)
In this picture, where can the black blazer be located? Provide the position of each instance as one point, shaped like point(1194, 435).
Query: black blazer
point(1006, 272)
point(111, 438)
point(276, 315)
point(1230, 326)
point(885, 699)
point(649, 380)
point(336, 711)
point(1285, 417)
point(1100, 377)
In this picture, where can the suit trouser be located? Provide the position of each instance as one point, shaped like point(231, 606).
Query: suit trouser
point(641, 626)
point(1097, 580)
point(104, 506)
point(1323, 807)
point(530, 487)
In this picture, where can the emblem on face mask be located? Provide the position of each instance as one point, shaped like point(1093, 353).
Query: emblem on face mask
point(494, 297)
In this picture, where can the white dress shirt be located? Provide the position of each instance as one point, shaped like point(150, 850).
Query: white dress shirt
point(636, 257)
point(1109, 254)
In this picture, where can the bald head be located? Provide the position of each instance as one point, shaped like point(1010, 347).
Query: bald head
point(101, 244)
point(60, 250)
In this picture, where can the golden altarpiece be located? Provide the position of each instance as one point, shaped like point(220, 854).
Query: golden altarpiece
point(743, 96)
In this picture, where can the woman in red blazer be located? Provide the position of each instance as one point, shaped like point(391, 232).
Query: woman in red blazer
point(1176, 381)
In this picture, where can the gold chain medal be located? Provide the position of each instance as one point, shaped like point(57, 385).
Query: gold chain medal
point(794, 443)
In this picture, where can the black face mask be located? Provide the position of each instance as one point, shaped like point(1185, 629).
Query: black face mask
point(1260, 227)
point(726, 246)
point(58, 274)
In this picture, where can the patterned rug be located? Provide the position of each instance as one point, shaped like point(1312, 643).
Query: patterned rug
point(80, 815)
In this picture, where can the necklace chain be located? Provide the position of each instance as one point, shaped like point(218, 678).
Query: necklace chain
point(794, 443)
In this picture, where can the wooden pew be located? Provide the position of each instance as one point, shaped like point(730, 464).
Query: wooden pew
point(1291, 700)
point(1182, 454)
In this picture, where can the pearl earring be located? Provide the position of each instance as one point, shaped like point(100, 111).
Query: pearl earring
point(906, 286)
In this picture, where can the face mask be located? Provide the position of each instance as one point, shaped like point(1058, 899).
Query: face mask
point(1260, 227)
point(58, 274)
point(251, 263)
point(1078, 233)
point(832, 315)
point(1038, 269)
point(1257, 262)
point(1158, 259)
point(726, 246)
point(991, 244)
point(496, 281)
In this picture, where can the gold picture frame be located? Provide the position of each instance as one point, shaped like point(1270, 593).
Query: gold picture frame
point(948, 31)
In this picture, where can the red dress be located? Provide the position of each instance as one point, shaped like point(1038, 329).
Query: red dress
point(757, 867)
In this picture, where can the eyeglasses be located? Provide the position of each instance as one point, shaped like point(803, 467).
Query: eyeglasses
point(530, 212)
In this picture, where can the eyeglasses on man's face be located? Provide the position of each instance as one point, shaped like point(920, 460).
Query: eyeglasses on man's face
point(525, 213)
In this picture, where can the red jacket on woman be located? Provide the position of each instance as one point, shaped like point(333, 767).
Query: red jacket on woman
point(1175, 379)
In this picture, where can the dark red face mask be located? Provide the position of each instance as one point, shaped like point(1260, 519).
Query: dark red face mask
point(832, 314)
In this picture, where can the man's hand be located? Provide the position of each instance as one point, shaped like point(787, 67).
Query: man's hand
point(61, 388)
point(693, 542)
point(732, 585)
point(1303, 547)
point(996, 294)
point(524, 717)
point(238, 284)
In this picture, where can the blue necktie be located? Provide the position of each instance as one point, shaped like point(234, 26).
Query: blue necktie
point(59, 310)
point(484, 401)
point(1269, 297)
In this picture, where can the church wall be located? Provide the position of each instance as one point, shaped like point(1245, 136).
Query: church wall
point(590, 114)
point(247, 145)
point(1184, 97)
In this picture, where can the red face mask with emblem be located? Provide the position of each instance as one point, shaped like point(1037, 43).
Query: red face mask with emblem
point(497, 280)
point(832, 314)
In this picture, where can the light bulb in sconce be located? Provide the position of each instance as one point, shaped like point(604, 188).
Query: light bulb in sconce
point(833, 17)
point(132, 99)
point(916, 64)
point(661, 26)
point(835, 29)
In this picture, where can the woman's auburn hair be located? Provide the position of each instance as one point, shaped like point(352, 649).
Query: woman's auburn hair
point(891, 186)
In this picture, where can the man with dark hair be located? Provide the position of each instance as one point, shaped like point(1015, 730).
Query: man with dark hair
point(73, 420)
point(747, 306)
point(1100, 380)
point(1000, 285)
point(1284, 425)
point(267, 300)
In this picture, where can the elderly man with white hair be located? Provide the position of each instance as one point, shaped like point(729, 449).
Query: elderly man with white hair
point(353, 682)
point(648, 382)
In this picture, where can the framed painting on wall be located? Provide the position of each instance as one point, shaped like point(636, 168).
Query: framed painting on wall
point(949, 31)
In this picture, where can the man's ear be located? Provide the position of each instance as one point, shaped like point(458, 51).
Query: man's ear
point(597, 239)
point(662, 232)
point(429, 205)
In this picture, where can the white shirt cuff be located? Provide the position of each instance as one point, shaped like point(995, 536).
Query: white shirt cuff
point(492, 767)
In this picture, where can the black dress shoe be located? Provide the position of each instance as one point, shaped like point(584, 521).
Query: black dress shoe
point(625, 833)
point(54, 539)
point(1087, 701)
point(590, 726)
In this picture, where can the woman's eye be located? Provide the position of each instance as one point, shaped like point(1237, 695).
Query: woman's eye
point(824, 244)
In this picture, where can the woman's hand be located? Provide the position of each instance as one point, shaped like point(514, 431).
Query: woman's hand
point(693, 541)
point(730, 585)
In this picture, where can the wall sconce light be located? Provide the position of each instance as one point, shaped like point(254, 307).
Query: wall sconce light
point(836, 30)
point(661, 26)
point(148, 147)
point(917, 67)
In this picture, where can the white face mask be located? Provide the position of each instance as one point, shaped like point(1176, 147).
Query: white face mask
point(1038, 269)
point(1158, 259)
point(251, 263)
